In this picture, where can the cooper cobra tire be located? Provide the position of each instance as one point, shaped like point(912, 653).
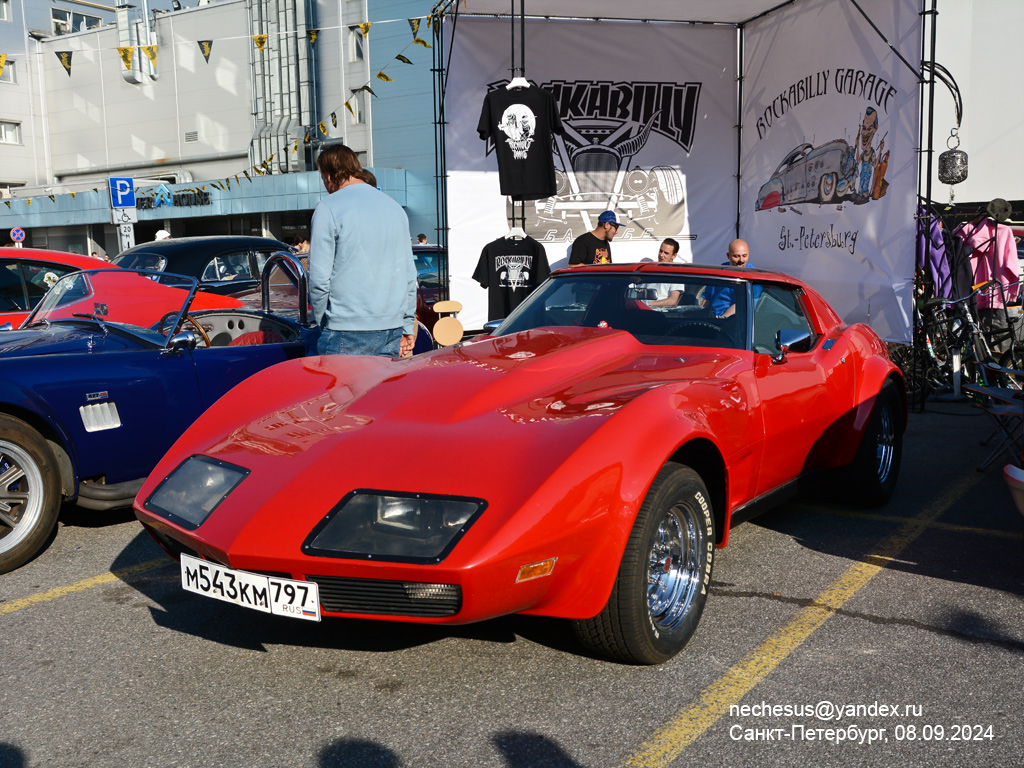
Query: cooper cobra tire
point(664, 576)
point(29, 493)
point(877, 464)
point(670, 183)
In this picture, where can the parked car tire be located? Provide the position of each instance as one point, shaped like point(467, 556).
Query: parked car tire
point(665, 573)
point(877, 463)
point(29, 493)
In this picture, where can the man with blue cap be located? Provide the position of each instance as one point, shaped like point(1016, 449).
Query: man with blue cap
point(595, 247)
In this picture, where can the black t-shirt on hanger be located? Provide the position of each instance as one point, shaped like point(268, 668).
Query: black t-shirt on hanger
point(521, 122)
point(510, 270)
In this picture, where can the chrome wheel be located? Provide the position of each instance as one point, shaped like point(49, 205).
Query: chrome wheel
point(672, 575)
point(30, 492)
point(21, 495)
point(885, 444)
point(664, 577)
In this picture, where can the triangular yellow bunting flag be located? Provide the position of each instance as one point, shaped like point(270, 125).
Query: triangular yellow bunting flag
point(7, 203)
point(365, 28)
point(305, 139)
point(385, 78)
point(334, 119)
point(28, 200)
point(414, 25)
point(126, 52)
point(323, 127)
point(424, 43)
point(206, 46)
point(150, 51)
point(73, 195)
point(3, 62)
point(403, 59)
point(311, 35)
point(260, 40)
point(296, 147)
point(53, 199)
point(64, 57)
point(363, 88)
point(246, 174)
point(349, 108)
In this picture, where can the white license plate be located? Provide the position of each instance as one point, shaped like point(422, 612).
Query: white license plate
point(269, 594)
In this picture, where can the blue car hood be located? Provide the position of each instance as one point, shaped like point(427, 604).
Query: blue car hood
point(52, 340)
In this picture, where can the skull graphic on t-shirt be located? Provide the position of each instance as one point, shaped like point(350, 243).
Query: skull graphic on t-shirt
point(518, 123)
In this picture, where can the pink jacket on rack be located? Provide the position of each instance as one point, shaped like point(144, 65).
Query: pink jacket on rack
point(994, 257)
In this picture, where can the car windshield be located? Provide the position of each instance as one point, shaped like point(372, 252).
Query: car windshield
point(131, 260)
point(146, 304)
point(677, 309)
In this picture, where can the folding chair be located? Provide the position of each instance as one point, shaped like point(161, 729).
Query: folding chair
point(1006, 407)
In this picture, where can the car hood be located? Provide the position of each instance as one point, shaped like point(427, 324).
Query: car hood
point(48, 340)
point(505, 395)
point(494, 419)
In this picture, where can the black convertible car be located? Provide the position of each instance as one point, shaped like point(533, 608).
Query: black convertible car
point(225, 264)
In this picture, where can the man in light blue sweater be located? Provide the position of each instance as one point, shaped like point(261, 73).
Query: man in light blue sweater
point(362, 277)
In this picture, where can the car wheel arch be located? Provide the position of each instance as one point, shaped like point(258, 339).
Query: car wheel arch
point(703, 457)
point(55, 439)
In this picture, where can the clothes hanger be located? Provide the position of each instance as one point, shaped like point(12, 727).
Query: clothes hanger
point(517, 232)
point(517, 82)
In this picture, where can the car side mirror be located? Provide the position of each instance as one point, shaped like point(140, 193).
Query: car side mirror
point(788, 340)
point(7, 327)
point(491, 326)
point(182, 340)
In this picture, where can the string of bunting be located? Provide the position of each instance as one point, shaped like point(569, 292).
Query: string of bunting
point(126, 55)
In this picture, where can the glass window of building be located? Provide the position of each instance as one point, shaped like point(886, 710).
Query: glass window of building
point(5, 10)
point(355, 44)
point(8, 75)
point(65, 22)
point(10, 133)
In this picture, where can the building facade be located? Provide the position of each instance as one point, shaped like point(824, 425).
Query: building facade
point(215, 113)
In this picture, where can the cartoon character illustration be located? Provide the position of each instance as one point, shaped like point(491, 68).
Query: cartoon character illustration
point(830, 173)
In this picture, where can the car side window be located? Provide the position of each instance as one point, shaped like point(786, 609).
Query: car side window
point(39, 278)
point(228, 266)
point(141, 261)
point(12, 295)
point(778, 308)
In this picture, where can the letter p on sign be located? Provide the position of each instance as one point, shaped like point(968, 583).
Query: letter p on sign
point(122, 193)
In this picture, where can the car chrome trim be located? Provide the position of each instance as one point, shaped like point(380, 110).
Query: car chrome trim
point(100, 416)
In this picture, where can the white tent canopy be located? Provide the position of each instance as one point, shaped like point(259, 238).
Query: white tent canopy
point(708, 11)
point(793, 125)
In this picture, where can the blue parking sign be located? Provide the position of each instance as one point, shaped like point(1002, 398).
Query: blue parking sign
point(122, 192)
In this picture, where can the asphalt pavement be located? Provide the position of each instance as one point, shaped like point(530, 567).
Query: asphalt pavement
point(834, 636)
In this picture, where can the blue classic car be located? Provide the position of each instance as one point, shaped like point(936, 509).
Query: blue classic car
point(107, 372)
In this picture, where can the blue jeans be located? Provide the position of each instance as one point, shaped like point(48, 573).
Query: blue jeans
point(386, 343)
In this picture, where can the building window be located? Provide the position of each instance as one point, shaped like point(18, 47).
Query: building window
point(355, 44)
point(358, 104)
point(8, 76)
point(10, 133)
point(65, 22)
point(5, 10)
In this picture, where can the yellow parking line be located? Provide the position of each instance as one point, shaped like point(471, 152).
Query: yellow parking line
point(78, 586)
point(891, 519)
point(669, 741)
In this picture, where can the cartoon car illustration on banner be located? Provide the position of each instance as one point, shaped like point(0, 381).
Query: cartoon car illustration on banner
point(810, 174)
point(590, 457)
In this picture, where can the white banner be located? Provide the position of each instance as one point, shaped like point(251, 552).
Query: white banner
point(649, 112)
point(830, 143)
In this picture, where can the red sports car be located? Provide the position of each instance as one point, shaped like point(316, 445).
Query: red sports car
point(27, 273)
point(586, 459)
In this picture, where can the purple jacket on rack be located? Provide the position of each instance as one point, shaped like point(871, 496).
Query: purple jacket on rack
point(931, 254)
